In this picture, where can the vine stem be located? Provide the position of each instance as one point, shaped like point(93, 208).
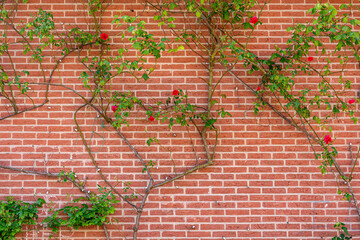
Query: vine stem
point(292, 123)
point(150, 185)
point(106, 231)
point(141, 209)
point(98, 170)
point(48, 83)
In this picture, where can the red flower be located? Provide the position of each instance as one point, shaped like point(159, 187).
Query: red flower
point(351, 101)
point(327, 139)
point(310, 59)
point(104, 36)
point(114, 108)
point(258, 89)
point(254, 20)
point(175, 92)
point(151, 119)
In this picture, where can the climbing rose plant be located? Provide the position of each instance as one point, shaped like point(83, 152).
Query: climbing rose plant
point(217, 21)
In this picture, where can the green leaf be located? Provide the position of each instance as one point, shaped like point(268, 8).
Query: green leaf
point(145, 76)
point(247, 25)
point(131, 29)
point(198, 13)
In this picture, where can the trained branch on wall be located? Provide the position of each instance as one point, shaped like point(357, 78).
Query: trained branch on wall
point(211, 30)
point(93, 47)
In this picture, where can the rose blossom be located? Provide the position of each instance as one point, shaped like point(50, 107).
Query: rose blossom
point(114, 108)
point(327, 139)
point(104, 36)
point(175, 92)
point(254, 20)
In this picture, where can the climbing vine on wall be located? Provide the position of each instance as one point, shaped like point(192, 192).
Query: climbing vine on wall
point(212, 32)
point(279, 89)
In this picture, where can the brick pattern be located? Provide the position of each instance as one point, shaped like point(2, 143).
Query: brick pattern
point(265, 183)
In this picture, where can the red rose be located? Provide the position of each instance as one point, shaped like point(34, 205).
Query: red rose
point(104, 36)
point(254, 20)
point(258, 89)
point(175, 92)
point(151, 119)
point(351, 101)
point(114, 108)
point(327, 139)
point(310, 59)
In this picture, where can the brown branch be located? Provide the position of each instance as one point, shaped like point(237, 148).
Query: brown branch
point(336, 164)
point(98, 170)
point(48, 83)
point(197, 167)
point(141, 208)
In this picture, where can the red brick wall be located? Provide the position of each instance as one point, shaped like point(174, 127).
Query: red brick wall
point(265, 183)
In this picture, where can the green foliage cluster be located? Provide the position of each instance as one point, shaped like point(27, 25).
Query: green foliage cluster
point(14, 214)
point(343, 232)
point(178, 110)
point(124, 103)
point(102, 205)
point(296, 59)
